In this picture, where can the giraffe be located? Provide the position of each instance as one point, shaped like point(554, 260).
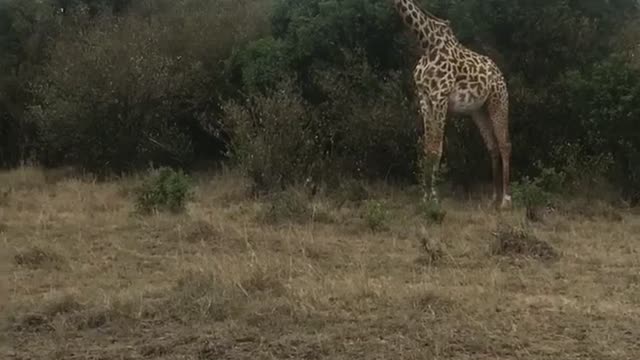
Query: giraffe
point(450, 78)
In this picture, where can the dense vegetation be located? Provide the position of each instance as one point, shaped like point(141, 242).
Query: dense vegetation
point(310, 91)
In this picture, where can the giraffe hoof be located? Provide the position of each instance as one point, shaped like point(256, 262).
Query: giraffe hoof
point(506, 203)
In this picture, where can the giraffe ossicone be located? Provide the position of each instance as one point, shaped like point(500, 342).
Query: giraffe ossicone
point(451, 78)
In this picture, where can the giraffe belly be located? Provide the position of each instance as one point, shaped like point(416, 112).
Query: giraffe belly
point(465, 102)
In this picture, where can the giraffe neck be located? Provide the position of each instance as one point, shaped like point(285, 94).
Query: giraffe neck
point(430, 30)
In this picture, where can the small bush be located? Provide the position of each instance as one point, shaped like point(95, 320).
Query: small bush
point(271, 139)
point(530, 194)
point(551, 180)
point(375, 215)
point(432, 212)
point(164, 189)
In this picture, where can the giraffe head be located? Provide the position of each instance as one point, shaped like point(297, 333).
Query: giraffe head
point(430, 30)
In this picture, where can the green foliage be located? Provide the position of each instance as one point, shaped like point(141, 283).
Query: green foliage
point(271, 139)
point(318, 31)
point(280, 138)
point(530, 194)
point(111, 85)
point(133, 87)
point(368, 125)
point(164, 189)
point(376, 215)
point(551, 180)
point(263, 64)
point(352, 191)
point(432, 212)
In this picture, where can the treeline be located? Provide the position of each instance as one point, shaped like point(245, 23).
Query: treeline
point(311, 90)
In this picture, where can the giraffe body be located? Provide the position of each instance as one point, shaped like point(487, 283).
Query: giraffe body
point(451, 78)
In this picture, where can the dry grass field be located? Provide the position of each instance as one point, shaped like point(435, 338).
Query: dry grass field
point(85, 277)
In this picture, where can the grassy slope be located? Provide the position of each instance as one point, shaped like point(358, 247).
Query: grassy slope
point(86, 279)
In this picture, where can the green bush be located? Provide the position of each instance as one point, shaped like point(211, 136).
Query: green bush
point(369, 125)
point(106, 101)
point(375, 215)
point(432, 212)
point(164, 189)
point(352, 190)
point(530, 194)
point(113, 85)
point(271, 139)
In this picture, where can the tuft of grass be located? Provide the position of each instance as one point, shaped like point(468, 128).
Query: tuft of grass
point(164, 189)
point(518, 241)
point(42, 319)
point(263, 280)
point(432, 249)
point(200, 231)
point(201, 295)
point(24, 178)
point(36, 257)
point(432, 212)
point(590, 209)
point(286, 206)
point(54, 176)
point(352, 191)
point(5, 197)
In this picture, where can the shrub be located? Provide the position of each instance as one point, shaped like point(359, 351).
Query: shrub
point(352, 190)
point(432, 212)
point(551, 180)
point(164, 189)
point(108, 100)
point(530, 194)
point(375, 215)
point(270, 138)
point(369, 125)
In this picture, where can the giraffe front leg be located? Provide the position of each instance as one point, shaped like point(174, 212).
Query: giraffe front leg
point(429, 177)
point(434, 115)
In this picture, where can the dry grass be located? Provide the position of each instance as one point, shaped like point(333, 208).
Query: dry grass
point(86, 278)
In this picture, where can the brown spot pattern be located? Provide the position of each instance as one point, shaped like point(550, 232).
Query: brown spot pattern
point(451, 76)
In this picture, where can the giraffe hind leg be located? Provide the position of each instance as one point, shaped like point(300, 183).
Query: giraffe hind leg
point(481, 119)
point(498, 108)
